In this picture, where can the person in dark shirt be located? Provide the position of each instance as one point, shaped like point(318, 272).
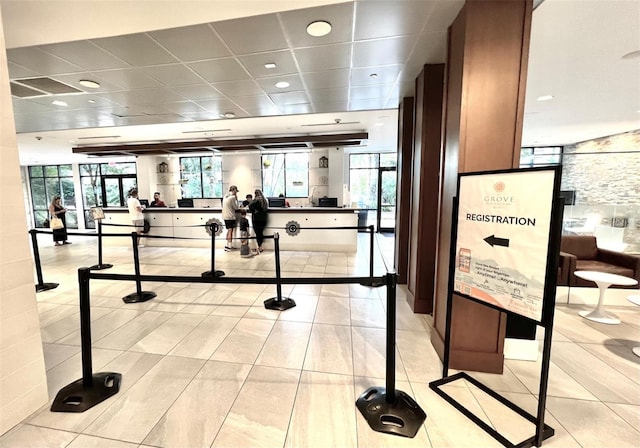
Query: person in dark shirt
point(247, 201)
point(157, 202)
point(258, 208)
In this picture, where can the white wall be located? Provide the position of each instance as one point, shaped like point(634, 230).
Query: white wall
point(23, 381)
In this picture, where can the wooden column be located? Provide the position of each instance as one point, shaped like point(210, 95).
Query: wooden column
point(486, 78)
point(403, 188)
point(427, 147)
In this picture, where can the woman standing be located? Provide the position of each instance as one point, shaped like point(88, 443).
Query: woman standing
point(56, 210)
point(258, 208)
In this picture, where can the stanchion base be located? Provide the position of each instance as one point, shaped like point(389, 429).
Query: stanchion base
point(46, 286)
point(215, 274)
point(373, 282)
point(274, 304)
point(142, 297)
point(75, 397)
point(99, 267)
point(403, 417)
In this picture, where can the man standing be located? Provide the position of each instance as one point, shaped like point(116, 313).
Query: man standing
point(229, 207)
point(135, 213)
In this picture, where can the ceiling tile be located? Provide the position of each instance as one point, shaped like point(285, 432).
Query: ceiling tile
point(128, 78)
point(201, 116)
point(431, 48)
point(20, 91)
point(366, 92)
point(385, 18)
point(143, 96)
point(197, 92)
point(177, 107)
point(330, 106)
point(252, 34)
point(389, 51)
point(371, 104)
point(325, 95)
point(340, 16)
point(266, 109)
point(39, 61)
point(48, 85)
point(328, 57)
point(291, 109)
point(24, 106)
point(18, 71)
point(85, 54)
point(219, 106)
point(246, 87)
point(254, 63)
point(192, 43)
point(254, 102)
point(227, 69)
point(384, 75)
point(136, 49)
point(74, 80)
point(173, 75)
point(326, 79)
point(287, 98)
point(269, 84)
point(75, 102)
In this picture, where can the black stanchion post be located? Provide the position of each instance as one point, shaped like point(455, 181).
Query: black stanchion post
point(214, 228)
point(92, 388)
point(139, 295)
point(41, 286)
point(386, 409)
point(276, 303)
point(371, 281)
point(100, 265)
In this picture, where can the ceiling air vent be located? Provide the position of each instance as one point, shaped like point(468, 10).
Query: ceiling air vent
point(23, 91)
point(48, 85)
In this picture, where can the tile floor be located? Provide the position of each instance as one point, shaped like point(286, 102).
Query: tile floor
point(207, 366)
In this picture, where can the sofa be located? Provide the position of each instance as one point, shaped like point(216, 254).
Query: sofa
point(581, 253)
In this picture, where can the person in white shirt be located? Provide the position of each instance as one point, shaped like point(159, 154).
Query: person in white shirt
point(135, 213)
point(229, 208)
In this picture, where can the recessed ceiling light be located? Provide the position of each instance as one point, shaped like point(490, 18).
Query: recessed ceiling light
point(632, 55)
point(282, 85)
point(318, 28)
point(59, 103)
point(228, 115)
point(90, 84)
point(373, 75)
point(269, 65)
point(545, 98)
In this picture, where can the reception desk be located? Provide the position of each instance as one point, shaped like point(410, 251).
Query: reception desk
point(185, 227)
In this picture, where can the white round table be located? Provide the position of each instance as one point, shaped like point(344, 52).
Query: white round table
point(603, 280)
point(636, 300)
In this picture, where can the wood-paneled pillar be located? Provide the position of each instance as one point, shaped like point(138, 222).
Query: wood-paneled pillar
point(403, 188)
point(485, 91)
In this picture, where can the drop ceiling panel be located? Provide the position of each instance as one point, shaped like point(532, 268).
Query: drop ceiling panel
point(18, 71)
point(23, 91)
point(136, 49)
point(326, 79)
point(202, 116)
point(218, 106)
point(192, 43)
point(340, 16)
point(173, 75)
point(254, 102)
point(85, 54)
point(269, 84)
point(247, 87)
point(33, 58)
point(389, 51)
point(177, 107)
point(324, 95)
point(227, 69)
point(400, 17)
point(384, 75)
point(240, 34)
point(368, 92)
point(128, 78)
point(290, 109)
point(143, 96)
point(254, 63)
point(370, 104)
point(25, 106)
point(197, 92)
point(324, 58)
point(48, 85)
point(74, 80)
point(322, 106)
point(262, 110)
point(75, 102)
point(287, 98)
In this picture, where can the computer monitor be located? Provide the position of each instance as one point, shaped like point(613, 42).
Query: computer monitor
point(185, 203)
point(327, 202)
point(276, 202)
point(569, 197)
point(144, 202)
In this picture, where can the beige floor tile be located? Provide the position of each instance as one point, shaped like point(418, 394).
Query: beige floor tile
point(619, 357)
point(323, 413)
point(35, 436)
point(369, 354)
point(264, 405)
point(628, 412)
point(133, 331)
point(304, 311)
point(164, 338)
point(329, 350)
point(205, 339)
point(244, 343)
point(333, 310)
point(104, 325)
point(286, 345)
point(368, 313)
point(143, 404)
point(84, 441)
point(197, 415)
point(55, 354)
point(420, 360)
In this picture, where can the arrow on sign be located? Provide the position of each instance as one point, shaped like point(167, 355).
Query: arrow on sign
point(493, 241)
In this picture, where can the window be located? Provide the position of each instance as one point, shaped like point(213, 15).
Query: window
point(542, 156)
point(286, 174)
point(104, 185)
point(363, 178)
point(201, 177)
point(46, 182)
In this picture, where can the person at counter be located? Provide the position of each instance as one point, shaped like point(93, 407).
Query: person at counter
point(258, 208)
point(247, 200)
point(157, 202)
point(229, 208)
point(286, 203)
point(135, 213)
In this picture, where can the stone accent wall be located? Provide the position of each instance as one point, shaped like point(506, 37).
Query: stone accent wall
point(605, 175)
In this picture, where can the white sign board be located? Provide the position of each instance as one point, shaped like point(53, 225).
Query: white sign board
point(504, 222)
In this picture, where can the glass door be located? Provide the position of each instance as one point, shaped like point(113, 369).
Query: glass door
point(386, 218)
point(115, 189)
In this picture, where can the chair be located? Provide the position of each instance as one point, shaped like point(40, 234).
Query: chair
point(584, 255)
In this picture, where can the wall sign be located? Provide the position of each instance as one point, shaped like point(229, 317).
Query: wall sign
point(504, 223)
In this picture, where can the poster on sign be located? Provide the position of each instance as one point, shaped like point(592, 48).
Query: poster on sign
point(504, 225)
